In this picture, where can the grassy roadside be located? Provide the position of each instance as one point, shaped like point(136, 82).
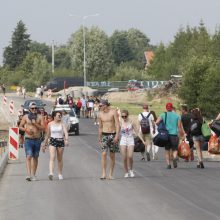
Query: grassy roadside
point(157, 105)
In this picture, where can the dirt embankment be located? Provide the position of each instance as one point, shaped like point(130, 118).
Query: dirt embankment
point(127, 97)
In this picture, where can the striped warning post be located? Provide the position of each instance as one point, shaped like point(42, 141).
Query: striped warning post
point(4, 100)
point(13, 143)
point(11, 107)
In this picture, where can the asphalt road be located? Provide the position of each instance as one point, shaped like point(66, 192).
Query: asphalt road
point(155, 192)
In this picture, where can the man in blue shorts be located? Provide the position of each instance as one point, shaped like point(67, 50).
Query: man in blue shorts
point(33, 125)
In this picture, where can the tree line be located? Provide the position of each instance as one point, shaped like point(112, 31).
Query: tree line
point(194, 53)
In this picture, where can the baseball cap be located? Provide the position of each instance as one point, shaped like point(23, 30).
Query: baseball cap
point(32, 104)
point(169, 106)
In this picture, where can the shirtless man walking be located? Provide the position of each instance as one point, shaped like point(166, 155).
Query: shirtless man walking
point(108, 136)
point(32, 124)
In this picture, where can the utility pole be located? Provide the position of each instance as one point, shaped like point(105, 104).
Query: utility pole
point(53, 57)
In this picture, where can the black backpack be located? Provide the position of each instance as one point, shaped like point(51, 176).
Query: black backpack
point(145, 124)
point(162, 138)
point(195, 128)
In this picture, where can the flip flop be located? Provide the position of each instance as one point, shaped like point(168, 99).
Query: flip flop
point(102, 178)
point(111, 178)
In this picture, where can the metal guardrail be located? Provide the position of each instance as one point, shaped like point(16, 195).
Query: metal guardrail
point(3, 147)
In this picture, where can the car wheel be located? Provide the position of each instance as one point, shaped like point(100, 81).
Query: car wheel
point(77, 130)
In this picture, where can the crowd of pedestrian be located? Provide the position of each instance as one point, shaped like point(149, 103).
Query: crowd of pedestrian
point(119, 131)
point(116, 133)
point(85, 106)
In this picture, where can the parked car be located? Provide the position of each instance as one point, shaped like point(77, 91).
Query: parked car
point(74, 121)
point(40, 105)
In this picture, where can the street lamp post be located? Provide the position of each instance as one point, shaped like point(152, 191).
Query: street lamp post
point(84, 42)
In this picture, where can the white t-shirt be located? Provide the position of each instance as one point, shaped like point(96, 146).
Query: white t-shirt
point(83, 102)
point(151, 118)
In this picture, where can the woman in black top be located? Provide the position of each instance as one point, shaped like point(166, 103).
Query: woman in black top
point(196, 133)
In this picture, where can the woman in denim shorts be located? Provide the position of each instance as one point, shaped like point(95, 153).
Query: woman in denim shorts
point(58, 137)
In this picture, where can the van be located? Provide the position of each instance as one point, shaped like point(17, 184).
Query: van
point(59, 83)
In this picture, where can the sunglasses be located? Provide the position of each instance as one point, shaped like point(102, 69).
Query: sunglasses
point(33, 108)
point(124, 116)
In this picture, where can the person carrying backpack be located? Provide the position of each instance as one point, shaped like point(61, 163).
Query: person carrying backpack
point(174, 126)
point(146, 123)
point(196, 133)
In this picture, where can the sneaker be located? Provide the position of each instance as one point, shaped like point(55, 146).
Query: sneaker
point(28, 178)
point(126, 175)
point(175, 162)
point(50, 176)
point(34, 178)
point(148, 156)
point(131, 172)
point(168, 167)
point(95, 123)
point(60, 177)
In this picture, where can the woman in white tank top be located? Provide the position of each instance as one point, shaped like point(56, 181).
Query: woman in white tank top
point(127, 143)
point(58, 137)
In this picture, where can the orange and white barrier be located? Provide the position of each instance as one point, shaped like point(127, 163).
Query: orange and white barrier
point(4, 100)
point(11, 107)
point(13, 143)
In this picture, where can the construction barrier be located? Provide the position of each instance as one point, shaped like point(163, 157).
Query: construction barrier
point(4, 100)
point(11, 107)
point(13, 144)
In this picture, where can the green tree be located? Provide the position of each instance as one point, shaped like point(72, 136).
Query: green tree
point(162, 65)
point(209, 97)
point(193, 76)
point(41, 48)
point(36, 71)
point(121, 50)
point(15, 53)
point(215, 45)
point(62, 58)
point(98, 56)
point(125, 72)
point(138, 43)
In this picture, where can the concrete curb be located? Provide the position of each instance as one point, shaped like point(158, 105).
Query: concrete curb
point(3, 162)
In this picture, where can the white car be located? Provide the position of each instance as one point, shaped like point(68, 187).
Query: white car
point(74, 121)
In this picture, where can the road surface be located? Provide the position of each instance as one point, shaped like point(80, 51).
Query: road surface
point(155, 193)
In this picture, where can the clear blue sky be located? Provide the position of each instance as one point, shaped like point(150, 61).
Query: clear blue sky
point(48, 20)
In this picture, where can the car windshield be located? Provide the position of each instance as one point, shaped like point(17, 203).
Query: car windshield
point(68, 110)
point(38, 103)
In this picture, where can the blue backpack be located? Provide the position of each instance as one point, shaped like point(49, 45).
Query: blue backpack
point(162, 138)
